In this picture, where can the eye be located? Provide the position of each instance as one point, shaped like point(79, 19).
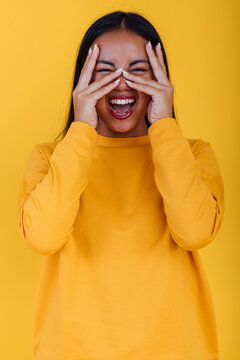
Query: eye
point(136, 69)
point(139, 69)
point(103, 70)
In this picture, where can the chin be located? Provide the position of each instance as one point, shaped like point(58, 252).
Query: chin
point(121, 125)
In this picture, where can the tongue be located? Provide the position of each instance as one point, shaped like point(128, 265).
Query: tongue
point(121, 109)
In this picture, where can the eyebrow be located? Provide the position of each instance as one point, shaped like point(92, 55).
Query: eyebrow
point(130, 64)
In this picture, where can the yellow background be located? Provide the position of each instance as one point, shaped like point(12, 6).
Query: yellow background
point(39, 40)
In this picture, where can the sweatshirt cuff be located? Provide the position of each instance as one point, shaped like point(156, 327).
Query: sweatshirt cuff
point(163, 131)
point(81, 135)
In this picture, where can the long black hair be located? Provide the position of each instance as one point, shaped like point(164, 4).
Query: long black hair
point(117, 20)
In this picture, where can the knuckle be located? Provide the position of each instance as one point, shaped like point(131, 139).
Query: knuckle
point(77, 94)
point(80, 94)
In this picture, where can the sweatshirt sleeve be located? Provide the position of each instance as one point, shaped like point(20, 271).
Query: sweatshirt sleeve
point(190, 182)
point(50, 190)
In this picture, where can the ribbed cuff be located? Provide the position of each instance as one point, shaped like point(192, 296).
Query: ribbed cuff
point(164, 131)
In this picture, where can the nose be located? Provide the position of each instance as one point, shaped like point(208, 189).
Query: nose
point(122, 83)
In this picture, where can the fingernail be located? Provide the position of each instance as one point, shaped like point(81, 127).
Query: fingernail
point(90, 50)
point(116, 81)
point(95, 48)
point(119, 70)
point(149, 43)
point(125, 72)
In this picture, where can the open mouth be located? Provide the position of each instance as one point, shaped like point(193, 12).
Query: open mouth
point(121, 108)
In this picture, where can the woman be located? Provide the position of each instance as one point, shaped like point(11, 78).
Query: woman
point(120, 207)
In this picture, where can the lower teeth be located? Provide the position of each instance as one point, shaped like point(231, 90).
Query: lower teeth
point(122, 113)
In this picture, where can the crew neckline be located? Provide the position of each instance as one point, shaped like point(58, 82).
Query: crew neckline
point(122, 142)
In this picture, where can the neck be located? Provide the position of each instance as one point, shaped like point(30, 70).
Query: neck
point(140, 129)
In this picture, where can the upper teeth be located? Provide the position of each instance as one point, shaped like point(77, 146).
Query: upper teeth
point(121, 102)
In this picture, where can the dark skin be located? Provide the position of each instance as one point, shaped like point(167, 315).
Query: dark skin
point(146, 80)
point(121, 48)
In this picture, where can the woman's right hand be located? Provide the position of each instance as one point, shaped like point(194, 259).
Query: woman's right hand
point(85, 96)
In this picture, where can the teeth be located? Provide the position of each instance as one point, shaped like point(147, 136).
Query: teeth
point(121, 102)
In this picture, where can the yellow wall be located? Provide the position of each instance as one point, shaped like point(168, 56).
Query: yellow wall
point(38, 47)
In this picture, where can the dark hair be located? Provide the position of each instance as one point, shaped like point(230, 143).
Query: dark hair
point(117, 20)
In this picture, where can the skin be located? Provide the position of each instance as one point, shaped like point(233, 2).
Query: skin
point(152, 88)
point(121, 48)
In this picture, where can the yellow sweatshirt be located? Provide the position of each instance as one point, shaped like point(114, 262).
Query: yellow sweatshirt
point(120, 222)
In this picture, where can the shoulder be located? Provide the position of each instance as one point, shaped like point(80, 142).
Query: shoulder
point(197, 146)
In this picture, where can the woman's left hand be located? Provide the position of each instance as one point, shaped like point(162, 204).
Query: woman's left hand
point(161, 90)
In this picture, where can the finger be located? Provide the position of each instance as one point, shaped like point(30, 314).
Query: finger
point(86, 74)
point(144, 88)
point(77, 87)
point(87, 59)
point(98, 83)
point(101, 82)
point(104, 90)
point(156, 66)
point(160, 57)
point(141, 80)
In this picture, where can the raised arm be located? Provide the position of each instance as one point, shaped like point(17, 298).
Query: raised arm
point(190, 182)
point(50, 191)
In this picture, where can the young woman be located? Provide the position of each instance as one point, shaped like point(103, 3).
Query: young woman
point(120, 207)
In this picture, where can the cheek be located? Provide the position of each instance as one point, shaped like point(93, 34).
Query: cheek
point(144, 99)
point(95, 76)
point(101, 105)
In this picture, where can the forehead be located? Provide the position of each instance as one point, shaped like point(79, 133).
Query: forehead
point(121, 44)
